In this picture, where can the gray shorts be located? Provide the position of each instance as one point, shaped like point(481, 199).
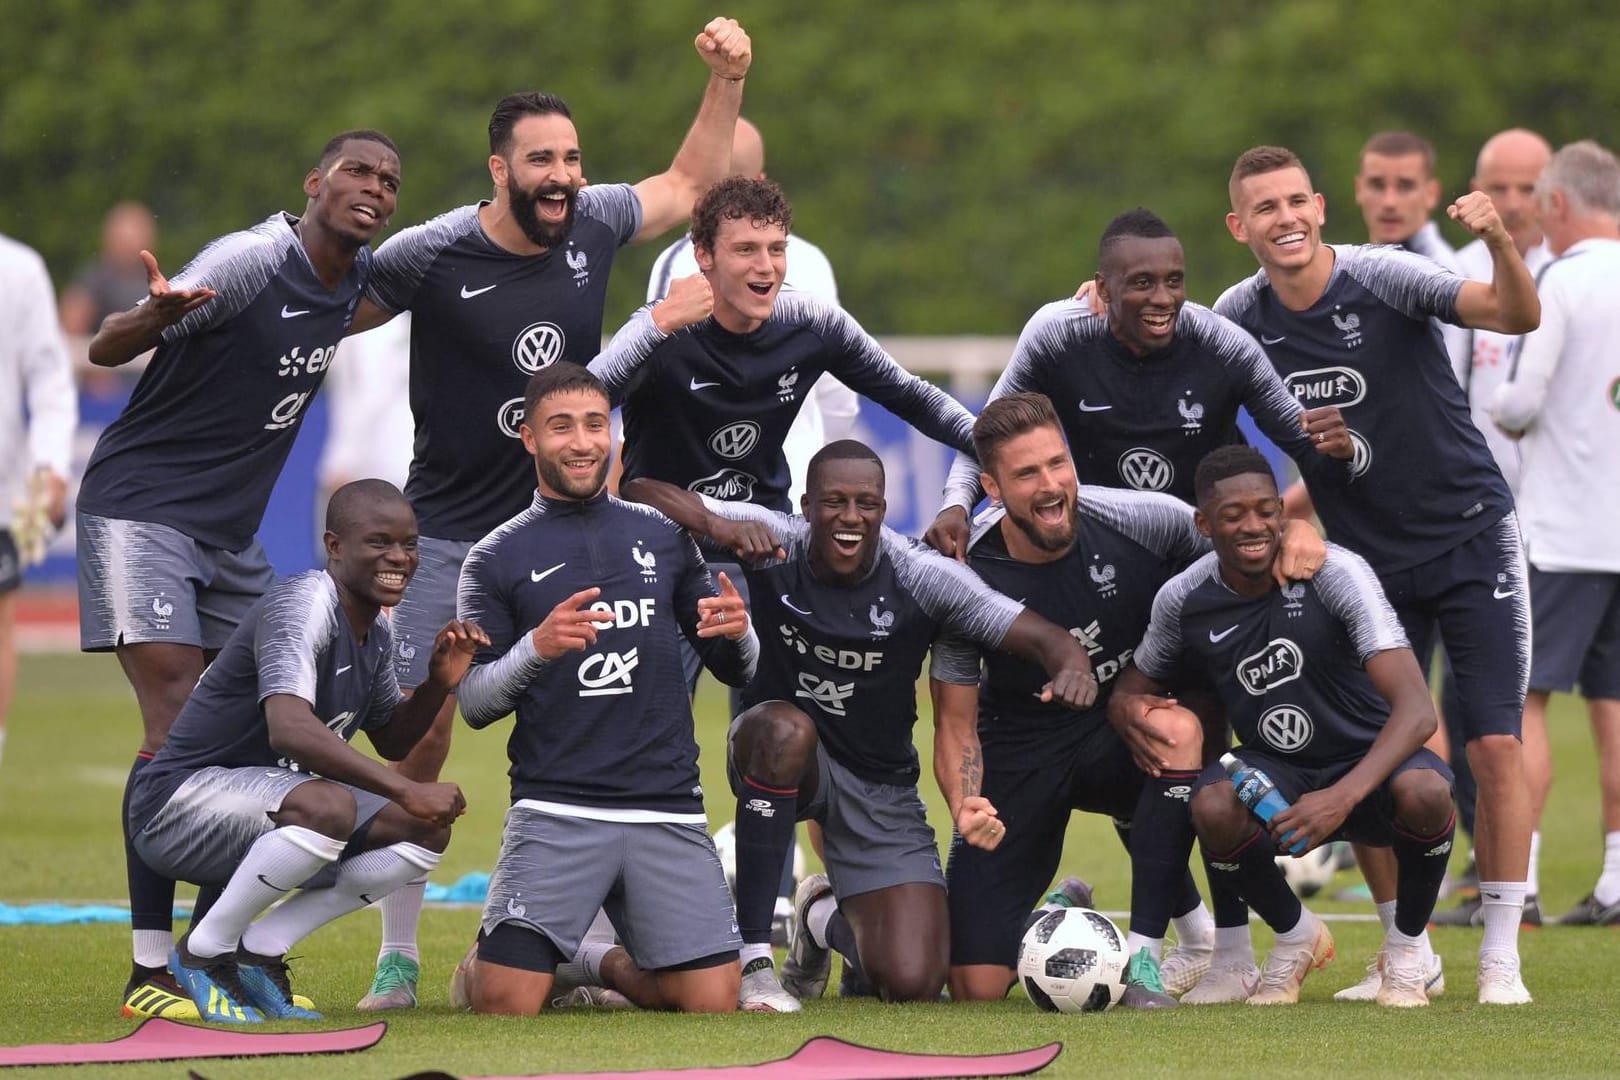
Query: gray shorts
point(874, 835)
point(142, 582)
point(429, 602)
point(660, 882)
point(208, 824)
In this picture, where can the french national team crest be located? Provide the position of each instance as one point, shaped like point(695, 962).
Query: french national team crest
point(1294, 599)
point(1103, 577)
point(647, 561)
point(787, 385)
point(1192, 415)
point(1350, 326)
point(577, 261)
point(881, 620)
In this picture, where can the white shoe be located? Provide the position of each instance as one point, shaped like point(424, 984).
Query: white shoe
point(761, 992)
point(1500, 982)
point(1225, 983)
point(1182, 969)
point(591, 997)
point(1287, 966)
point(1367, 989)
point(807, 965)
point(1404, 984)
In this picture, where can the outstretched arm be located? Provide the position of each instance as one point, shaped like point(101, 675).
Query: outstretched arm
point(453, 650)
point(1507, 303)
point(751, 540)
point(1062, 657)
point(128, 334)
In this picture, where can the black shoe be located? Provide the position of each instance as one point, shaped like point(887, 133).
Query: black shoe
point(1591, 913)
point(1471, 912)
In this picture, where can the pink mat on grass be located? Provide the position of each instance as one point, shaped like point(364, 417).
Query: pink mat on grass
point(165, 1040)
point(825, 1058)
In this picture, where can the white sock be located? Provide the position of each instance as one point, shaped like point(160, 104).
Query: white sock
point(1501, 903)
point(1386, 914)
point(1607, 890)
point(1234, 943)
point(1532, 880)
point(362, 880)
point(278, 862)
point(1196, 929)
point(1302, 932)
point(755, 951)
point(601, 930)
point(817, 918)
point(1135, 942)
point(401, 915)
point(1394, 939)
point(152, 947)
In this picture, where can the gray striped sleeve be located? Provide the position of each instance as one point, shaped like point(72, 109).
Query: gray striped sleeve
point(955, 660)
point(1161, 523)
point(503, 670)
point(950, 592)
point(620, 365)
point(237, 267)
point(295, 627)
point(1159, 655)
point(1236, 302)
point(1407, 282)
point(1261, 389)
point(790, 530)
point(402, 262)
point(1349, 589)
point(615, 205)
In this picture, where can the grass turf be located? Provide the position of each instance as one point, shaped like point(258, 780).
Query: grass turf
point(73, 730)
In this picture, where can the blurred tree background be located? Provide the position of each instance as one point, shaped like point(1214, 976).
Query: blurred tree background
point(956, 160)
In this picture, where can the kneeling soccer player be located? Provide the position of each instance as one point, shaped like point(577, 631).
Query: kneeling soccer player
point(230, 799)
point(1326, 697)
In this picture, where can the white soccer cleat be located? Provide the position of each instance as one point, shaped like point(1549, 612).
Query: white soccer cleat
point(1287, 966)
point(807, 965)
point(1434, 984)
point(1185, 966)
point(1500, 982)
point(1405, 979)
point(1227, 982)
point(761, 992)
point(460, 998)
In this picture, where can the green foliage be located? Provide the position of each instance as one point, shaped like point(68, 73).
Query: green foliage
point(956, 160)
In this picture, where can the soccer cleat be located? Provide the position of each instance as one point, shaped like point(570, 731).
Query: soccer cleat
point(807, 965)
point(1225, 983)
point(593, 997)
point(1143, 987)
point(394, 984)
point(1591, 912)
point(155, 993)
point(1288, 965)
point(269, 989)
point(460, 996)
point(1471, 912)
point(1070, 892)
point(214, 984)
point(1500, 982)
point(760, 990)
point(1434, 984)
point(1185, 966)
point(1404, 981)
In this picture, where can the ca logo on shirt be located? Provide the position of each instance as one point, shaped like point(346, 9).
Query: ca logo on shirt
point(824, 692)
point(1281, 661)
point(606, 673)
point(286, 411)
point(1287, 727)
point(538, 346)
point(1145, 469)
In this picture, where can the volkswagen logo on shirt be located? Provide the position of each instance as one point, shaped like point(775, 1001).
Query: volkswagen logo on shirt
point(538, 346)
point(509, 416)
point(1287, 727)
point(1146, 469)
point(1323, 386)
point(735, 440)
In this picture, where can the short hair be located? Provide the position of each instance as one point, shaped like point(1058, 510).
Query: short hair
point(1225, 462)
point(1587, 174)
point(344, 510)
point(1401, 144)
point(514, 107)
point(562, 377)
point(1006, 418)
point(735, 198)
point(841, 450)
point(1140, 222)
point(334, 145)
point(1257, 161)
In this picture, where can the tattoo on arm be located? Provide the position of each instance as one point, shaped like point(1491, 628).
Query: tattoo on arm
point(971, 770)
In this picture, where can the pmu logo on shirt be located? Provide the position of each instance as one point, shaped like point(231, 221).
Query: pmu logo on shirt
point(509, 417)
point(1281, 661)
point(1324, 386)
point(1287, 727)
point(727, 485)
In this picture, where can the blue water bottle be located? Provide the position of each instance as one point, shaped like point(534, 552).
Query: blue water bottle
point(1256, 791)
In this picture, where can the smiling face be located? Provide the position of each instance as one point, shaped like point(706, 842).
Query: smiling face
point(1243, 516)
point(845, 508)
point(1396, 195)
point(373, 554)
point(1032, 476)
point(540, 177)
point(354, 194)
point(1279, 217)
point(571, 439)
point(1143, 281)
point(745, 269)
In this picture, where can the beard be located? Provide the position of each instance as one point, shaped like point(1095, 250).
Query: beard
point(541, 233)
point(1053, 538)
point(560, 481)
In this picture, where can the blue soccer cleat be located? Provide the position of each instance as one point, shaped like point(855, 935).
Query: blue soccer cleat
point(264, 980)
point(214, 985)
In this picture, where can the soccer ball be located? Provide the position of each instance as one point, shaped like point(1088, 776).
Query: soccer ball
point(725, 842)
point(1073, 960)
point(1311, 872)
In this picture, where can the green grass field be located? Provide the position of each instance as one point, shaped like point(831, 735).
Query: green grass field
point(74, 727)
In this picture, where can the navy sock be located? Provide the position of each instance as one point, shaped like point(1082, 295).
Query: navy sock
point(784, 887)
point(1161, 841)
point(1225, 899)
point(151, 895)
point(764, 836)
point(841, 938)
point(1259, 880)
point(207, 897)
point(1420, 866)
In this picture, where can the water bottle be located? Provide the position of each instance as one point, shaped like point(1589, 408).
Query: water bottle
point(1256, 791)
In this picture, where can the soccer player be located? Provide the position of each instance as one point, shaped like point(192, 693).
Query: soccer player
point(177, 485)
point(1326, 697)
point(853, 609)
point(1562, 400)
point(584, 598)
point(1145, 391)
point(1429, 510)
point(257, 788)
point(498, 290)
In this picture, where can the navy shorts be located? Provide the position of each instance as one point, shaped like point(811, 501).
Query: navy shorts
point(991, 893)
point(429, 602)
point(1577, 620)
point(1372, 822)
point(1477, 595)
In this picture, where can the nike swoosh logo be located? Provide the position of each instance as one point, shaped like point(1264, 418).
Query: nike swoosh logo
point(342, 669)
point(695, 385)
point(541, 575)
point(1500, 595)
point(1214, 637)
point(288, 313)
point(1093, 408)
point(1264, 340)
point(468, 294)
point(1491, 895)
point(788, 603)
point(271, 885)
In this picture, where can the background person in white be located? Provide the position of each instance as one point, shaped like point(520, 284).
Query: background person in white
point(831, 408)
point(1564, 398)
point(368, 394)
point(38, 409)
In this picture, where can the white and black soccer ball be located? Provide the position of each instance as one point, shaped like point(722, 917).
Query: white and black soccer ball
point(1311, 872)
point(725, 842)
point(1073, 960)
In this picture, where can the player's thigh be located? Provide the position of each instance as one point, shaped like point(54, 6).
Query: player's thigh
point(1484, 617)
point(671, 905)
point(1103, 777)
point(138, 583)
point(551, 876)
point(875, 835)
point(429, 602)
point(202, 832)
point(1376, 819)
point(708, 984)
point(514, 970)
